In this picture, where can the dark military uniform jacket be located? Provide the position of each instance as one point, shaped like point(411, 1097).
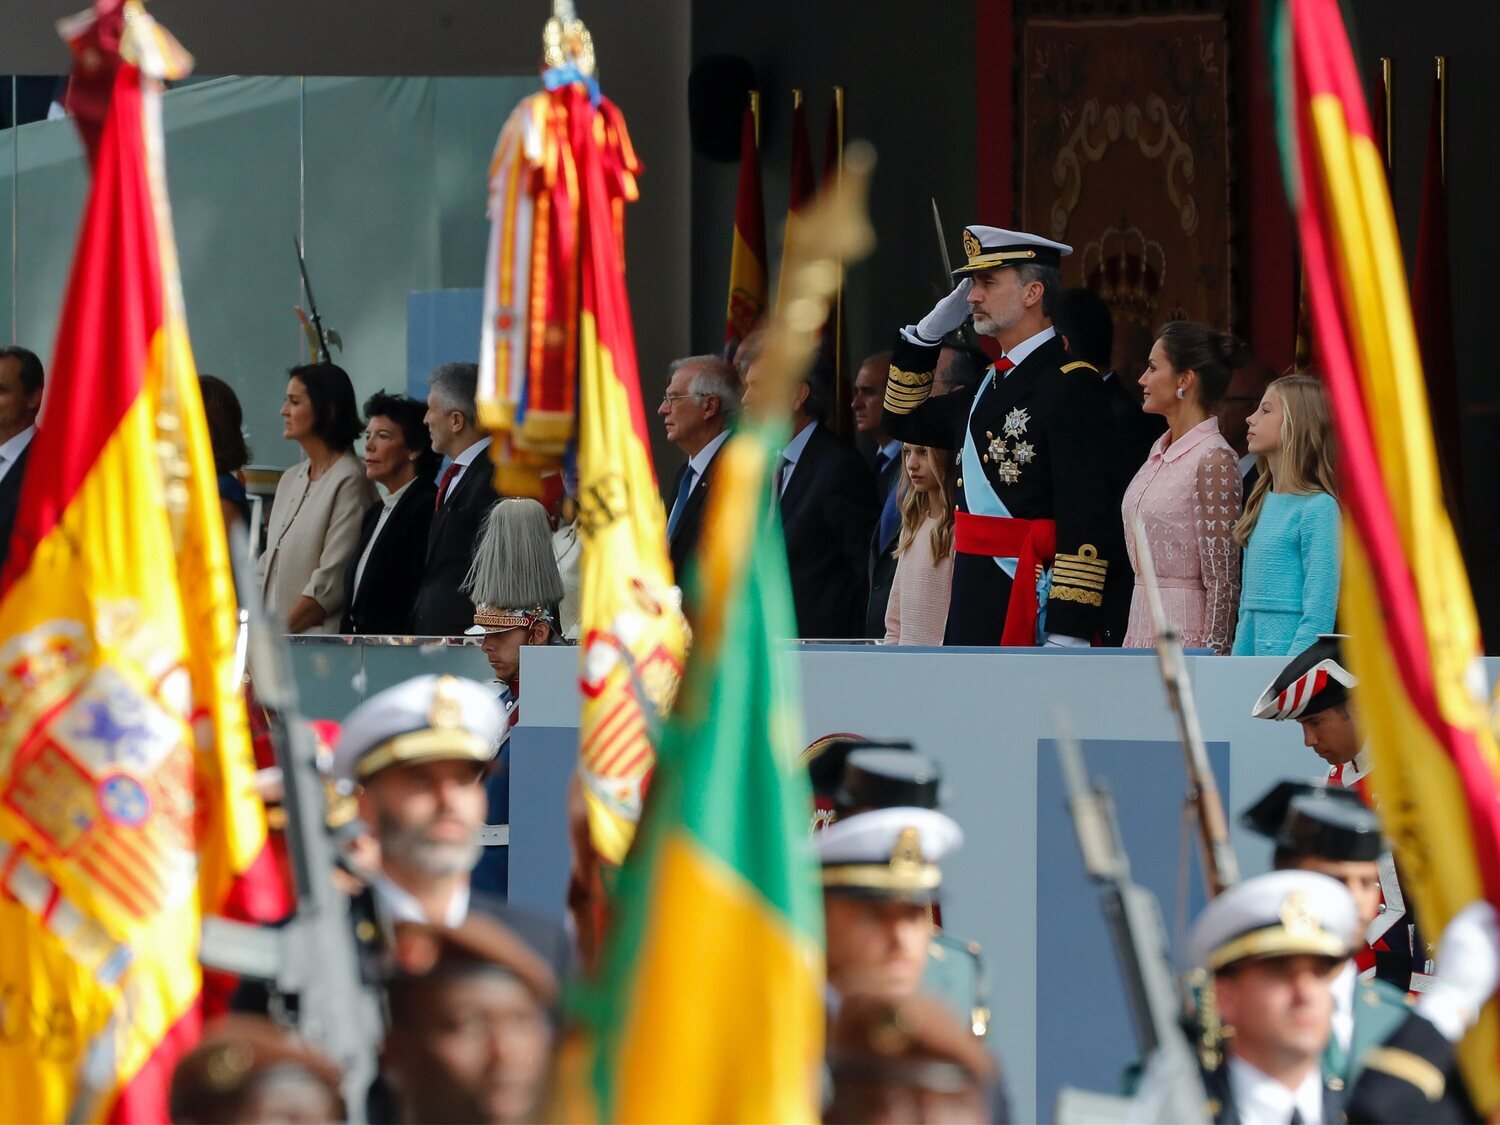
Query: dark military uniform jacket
point(1040, 434)
point(1413, 1076)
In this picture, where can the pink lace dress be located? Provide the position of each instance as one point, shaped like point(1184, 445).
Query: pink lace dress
point(1188, 495)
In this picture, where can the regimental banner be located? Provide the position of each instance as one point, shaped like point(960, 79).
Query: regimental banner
point(126, 801)
point(1405, 599)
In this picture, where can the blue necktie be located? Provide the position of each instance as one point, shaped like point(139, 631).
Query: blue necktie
point(890, 513)
point(684, 490)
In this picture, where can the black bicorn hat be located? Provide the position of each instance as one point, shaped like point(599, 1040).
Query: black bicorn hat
point(887, 775)
point(1312, 681)
point(1315, 820)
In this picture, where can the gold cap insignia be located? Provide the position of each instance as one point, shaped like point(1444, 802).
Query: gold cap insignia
point(447, 710)
point(227, 1065)
point(1297, 917)
point(906, 853)
point(972, 248)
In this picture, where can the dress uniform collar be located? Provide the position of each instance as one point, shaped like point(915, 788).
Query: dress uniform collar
point(1018, 354)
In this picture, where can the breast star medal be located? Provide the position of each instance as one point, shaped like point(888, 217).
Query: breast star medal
point(1008, 452)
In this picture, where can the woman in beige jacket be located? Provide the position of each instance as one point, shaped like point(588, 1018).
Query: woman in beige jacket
point(315, 518)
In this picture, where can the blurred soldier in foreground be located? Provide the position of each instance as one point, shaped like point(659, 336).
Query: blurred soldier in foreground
point(906, 1060)
point(246, 1069)
point(472, 1024)
point(873, 923)
point(1330, 831)
point(420, 752)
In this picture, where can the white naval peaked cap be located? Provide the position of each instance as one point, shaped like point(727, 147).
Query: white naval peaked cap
point(1276, 915)
point(869, 837)
point(424, 719)
point(990, 248)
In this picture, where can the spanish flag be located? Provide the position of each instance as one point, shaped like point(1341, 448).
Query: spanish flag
point(125, 770)
point(633, 631)
point(1405, 600)
point(747, 262)
point(709, 1004)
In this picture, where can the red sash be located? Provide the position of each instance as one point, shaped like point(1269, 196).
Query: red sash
point(1032, 543)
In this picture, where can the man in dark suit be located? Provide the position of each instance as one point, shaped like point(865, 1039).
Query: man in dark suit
point(1087, 329)
point(21, 379)
point(465, 493)
point(1033, 503)
point(869, 394)
point(701, 397)
point(828, 511)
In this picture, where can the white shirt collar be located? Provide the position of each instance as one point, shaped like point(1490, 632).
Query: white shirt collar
point(1343, 1004)
point(1261, 1100)
point(892, 450)
point(391, 499)
point(698, 462)
point(16, 445)
point(1351, 773)
point(400, 905)
point(466, 458)
point(794, 448)
point(1018, 354)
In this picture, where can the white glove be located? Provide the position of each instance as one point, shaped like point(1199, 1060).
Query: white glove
point(946, 315)
point(1062, 640)
point(1468, 969)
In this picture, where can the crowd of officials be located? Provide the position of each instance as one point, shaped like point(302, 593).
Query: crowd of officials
point(1077, 461)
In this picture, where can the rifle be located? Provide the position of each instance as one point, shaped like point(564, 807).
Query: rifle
point(315, 955)
point(1171, 1087)
point(317, 338)
point(1220, 868)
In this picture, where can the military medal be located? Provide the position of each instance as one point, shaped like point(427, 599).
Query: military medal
point(1008, 452)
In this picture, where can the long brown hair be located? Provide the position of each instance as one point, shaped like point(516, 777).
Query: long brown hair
point(914, 506)
point(1307, 453)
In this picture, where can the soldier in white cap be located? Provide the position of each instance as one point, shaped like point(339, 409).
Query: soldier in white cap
point(1275, 944)
point(1031, 477)
point(419, 753)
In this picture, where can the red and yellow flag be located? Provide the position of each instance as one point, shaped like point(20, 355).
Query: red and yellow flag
point(801, 183)
point(747, 261)
point(1405, 600)
point(125, 768)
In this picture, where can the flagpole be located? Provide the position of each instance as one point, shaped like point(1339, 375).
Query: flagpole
point(1442, 81)
point(1387, 75)
point(15, 195)
point(755, 115)
point(840, 377)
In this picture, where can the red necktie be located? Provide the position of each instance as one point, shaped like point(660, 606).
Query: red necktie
point(1003, 364)
point(448, 474)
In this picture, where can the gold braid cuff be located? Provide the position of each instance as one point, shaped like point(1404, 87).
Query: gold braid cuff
point(1079, 578)
point(906, 390)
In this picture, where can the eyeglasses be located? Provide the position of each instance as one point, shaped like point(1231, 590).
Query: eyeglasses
point(669, 399)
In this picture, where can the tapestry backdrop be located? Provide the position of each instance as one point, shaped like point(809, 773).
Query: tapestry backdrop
point(1125, 155)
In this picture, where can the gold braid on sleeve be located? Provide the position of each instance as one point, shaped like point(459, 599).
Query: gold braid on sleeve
point(906, 390)
point(1079, 578)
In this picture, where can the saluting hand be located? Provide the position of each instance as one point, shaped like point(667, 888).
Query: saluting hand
point(946, 315)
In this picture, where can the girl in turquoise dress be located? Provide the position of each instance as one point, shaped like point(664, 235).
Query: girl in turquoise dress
point(1290, 526)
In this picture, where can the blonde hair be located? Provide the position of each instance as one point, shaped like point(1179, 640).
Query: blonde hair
point(1307, 453)
point(915, 507)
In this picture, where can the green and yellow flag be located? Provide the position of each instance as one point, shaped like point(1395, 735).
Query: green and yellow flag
point(709, 1004)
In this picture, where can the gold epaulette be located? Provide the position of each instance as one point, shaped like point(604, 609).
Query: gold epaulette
point(906, 390)
point(1080, 577)
point(1078, 363)
point(1412, 1069)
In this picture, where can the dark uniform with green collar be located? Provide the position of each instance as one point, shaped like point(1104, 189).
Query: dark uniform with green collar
point(851, 775)
point(1036, 433)
point(1316, 822)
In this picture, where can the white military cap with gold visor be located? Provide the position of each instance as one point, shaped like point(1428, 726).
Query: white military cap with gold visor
point(1277, 915)
point(424, 719)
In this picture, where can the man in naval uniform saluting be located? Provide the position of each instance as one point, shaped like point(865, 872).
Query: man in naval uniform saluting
point(1030, 470)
